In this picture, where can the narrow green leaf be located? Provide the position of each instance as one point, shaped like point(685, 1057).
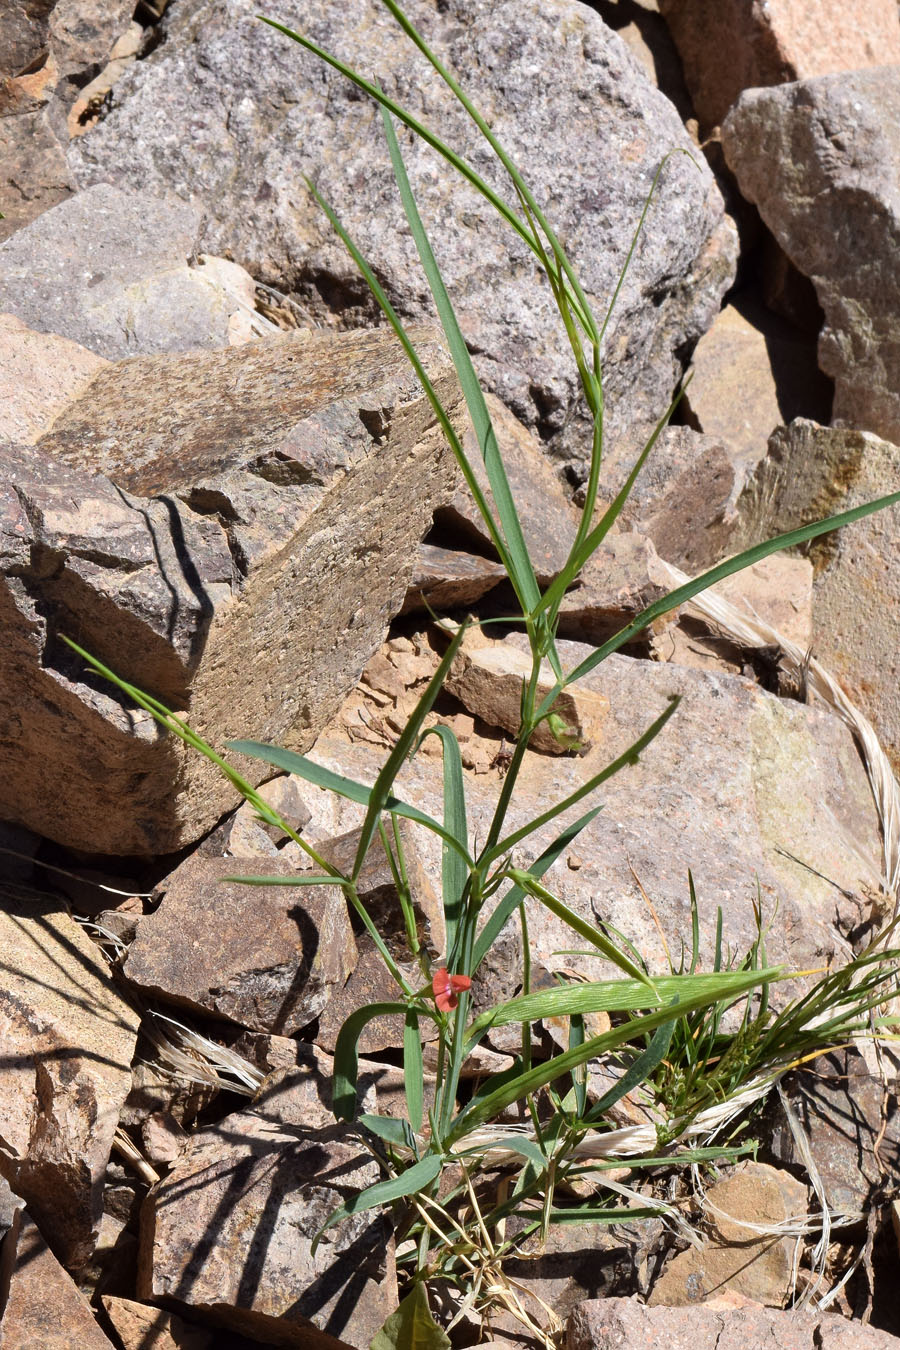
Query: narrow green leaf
point(595, 1214)
point(381, 789)
point(640, 1070)
point(515, 895)
point(514, 1088)
point(413, 1070)
point(412, 1326)
point(454, 872)
point(390, 1129)
point(299, 880)
point(321, 777)
point(521, 572)
point(346, 1056)
point(413, 1179)
point(515, 1143)
point(682, 594)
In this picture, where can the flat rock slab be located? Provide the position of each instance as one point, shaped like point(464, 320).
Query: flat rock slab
point(108, 268)
point(727, 1323)
point(69, 1039)
point(821, 161)
point(561, 92)
point(230, 1228)
point(811, 472)
point(45, 1309)
point(40, 374)
point(266, 957)
point(735, 776)
point(727, 46)
point(281, 471)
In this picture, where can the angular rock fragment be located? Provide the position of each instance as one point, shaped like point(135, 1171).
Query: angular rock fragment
point(749, 374)
point(734, 1255)
point(727, 46)
point(142, 1327)
point(487, 680)
point(68, 1038)
point(266, 957)
point(39, 375)
point(811, 472)
point(449, 579)
point(708, 794)
point(109, 269)
point(727, 1323)
point(821, 160)
point(264, 115)
point(281, 471)
point(44, 1309)
point(229, 1232)
point(614, 587)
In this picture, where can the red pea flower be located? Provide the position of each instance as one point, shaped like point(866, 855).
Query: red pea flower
point(445, 988)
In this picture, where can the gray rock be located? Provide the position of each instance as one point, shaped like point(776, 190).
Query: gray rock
point(821, 160)
point(109, 269)
point(735, 776)
point(727, 1323)
point(45, 1307)
point(266, 957)
point(68, 1041)
point(285, 470)
point(560, 90)
point(230, 1228)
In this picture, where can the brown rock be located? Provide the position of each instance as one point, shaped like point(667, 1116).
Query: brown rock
point(244, 835)
point(141, 1327)
point(229, 1232)
point(729, 1323)
point(811, 472)
point(44, 1310)
point(821, 161)
point(448, 579)
point(735, 1257)
point(264, 956)
point(727, 46)
point(487, 680)
point(614, 587)
point(68, 1038)
point(335, 481)
point(548, 518)
point(750, 373)
point(39, 375)
point(370, 982)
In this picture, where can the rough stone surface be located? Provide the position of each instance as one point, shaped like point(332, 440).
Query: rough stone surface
point(109, 269)
point(750, 373)
point(840, 1105)
point(266, 957)
point(263, 115)
point(615, 586)
point(727, 46)
point(229, 1231)
point(286, 470)
point(40, 374)
point(68, 1039)
point(728, 1323)
point(449, 579)
point(141, 1327)
point(44, 1310)
point(821, 160)
point(733, 1256)
point(811, 472)
point(764, 775)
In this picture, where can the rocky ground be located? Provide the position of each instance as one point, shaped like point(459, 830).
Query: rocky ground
point(220, 477)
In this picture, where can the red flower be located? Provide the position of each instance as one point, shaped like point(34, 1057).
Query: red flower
point(445, 988)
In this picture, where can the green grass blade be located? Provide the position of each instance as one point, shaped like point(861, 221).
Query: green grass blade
point(630, 756)
point(682, 594)
point(515, 895)
point(521, 572)
point(641, 1069)
point(454, 872)
point(413, 1070)
point(414, 1179)
point(630, 995)
point(346, 1059)
point(298, 880)
point(381, 789)
point(515, 1087)
point(316, 774)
